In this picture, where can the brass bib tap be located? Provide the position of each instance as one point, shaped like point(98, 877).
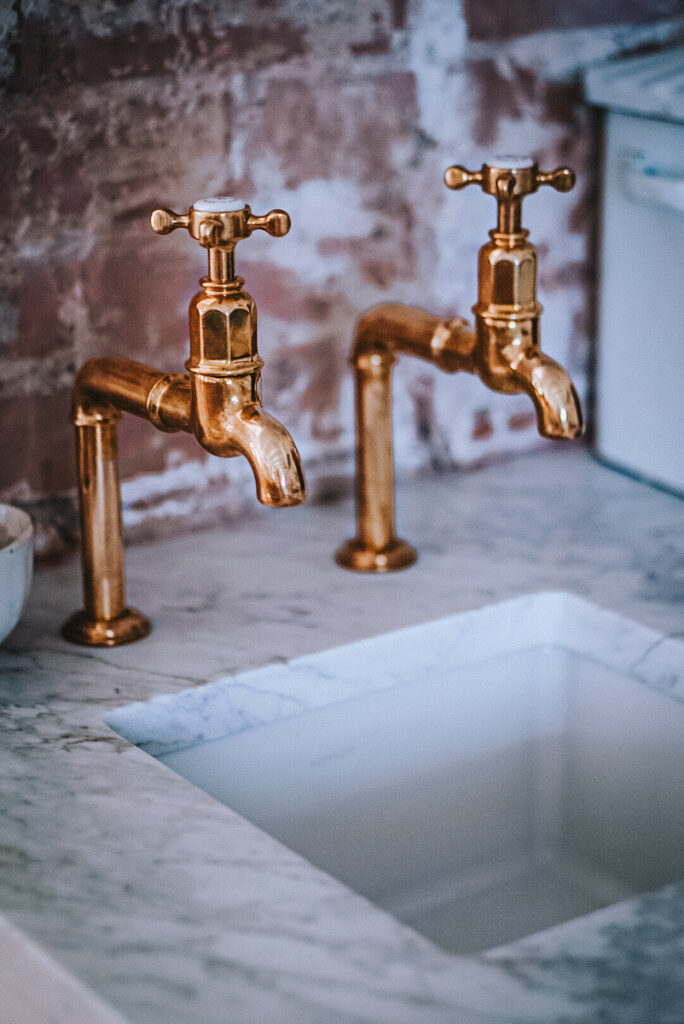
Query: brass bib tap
point(218, 400)
point(503, 351)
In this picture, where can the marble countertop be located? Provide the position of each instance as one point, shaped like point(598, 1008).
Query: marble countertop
point(128, 894)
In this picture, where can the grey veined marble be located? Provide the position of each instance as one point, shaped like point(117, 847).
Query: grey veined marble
point(133, 895)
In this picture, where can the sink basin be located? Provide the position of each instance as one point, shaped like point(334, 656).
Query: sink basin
point(481, 777)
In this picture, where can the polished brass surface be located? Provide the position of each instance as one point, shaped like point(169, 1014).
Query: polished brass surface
point(217, 400)
point(502, 349)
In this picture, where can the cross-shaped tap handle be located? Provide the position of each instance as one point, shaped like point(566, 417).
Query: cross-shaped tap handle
point(509, 179)
point(218, 224)
point(220, 221)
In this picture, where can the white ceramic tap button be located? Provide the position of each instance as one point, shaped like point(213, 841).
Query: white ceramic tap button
point(508, 162)
point(219, 204)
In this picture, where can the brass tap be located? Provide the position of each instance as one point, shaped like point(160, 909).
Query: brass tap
point(217, 400)
point(503, 350)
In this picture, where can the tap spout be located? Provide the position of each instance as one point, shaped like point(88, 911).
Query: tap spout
point(230, 420)
point(508, 358)
point(559, 413)
point(273, 456)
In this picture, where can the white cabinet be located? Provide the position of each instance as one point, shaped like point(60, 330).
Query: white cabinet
point(640, 358)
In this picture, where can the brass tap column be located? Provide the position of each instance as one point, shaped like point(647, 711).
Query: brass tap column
point(218, 400)
point(104, 587)
point(503, 351)
point(382, 334)
point(376, 545)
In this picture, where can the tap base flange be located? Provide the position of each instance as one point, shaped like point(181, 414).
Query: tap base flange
point(360, 557)
point(129, 626)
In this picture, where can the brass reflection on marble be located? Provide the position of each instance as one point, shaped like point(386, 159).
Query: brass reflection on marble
point(217, 400)
point(503, 350)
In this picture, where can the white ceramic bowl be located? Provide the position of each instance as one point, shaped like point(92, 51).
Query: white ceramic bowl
point(16, 565)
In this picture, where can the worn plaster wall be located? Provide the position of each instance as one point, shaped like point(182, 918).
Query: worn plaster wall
point(345, 113)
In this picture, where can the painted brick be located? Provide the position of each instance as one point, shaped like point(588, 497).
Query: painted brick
point(318, 129)
point(345, 113)
point(503, 19)
point(136, 299)
point(46, 301)
point(37, 449)
point(59, 52)
point(144, 450)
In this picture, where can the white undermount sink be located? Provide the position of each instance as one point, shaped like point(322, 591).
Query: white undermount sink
point(482, 777)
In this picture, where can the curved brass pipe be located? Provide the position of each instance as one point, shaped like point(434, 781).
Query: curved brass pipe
point(395, 328)
point(105, 388)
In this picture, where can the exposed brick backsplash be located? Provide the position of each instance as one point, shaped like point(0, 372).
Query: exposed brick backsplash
point(345, 113)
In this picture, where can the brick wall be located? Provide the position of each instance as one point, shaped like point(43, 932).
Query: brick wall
point(345, 113)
